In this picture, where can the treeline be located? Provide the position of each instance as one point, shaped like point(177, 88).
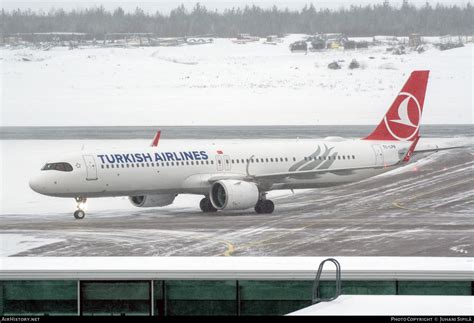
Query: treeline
point(366, 20)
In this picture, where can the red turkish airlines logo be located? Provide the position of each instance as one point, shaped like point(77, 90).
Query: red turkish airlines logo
point(404, 121)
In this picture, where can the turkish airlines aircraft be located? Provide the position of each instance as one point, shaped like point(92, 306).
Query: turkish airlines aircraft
point(238, 176)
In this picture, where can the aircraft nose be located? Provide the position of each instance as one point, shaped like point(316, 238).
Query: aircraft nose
point(35, 184)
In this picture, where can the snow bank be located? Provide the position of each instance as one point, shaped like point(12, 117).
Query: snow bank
point(224, 83)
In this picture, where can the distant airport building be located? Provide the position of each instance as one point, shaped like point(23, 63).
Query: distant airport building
point(51, 37)
point(414, 40)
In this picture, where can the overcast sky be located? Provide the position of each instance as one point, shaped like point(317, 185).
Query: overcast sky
point(165, 6)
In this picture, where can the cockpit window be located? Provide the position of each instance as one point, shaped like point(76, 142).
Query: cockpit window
point(62, 167)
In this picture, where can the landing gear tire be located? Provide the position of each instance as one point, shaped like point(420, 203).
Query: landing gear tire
point(206, 206)
point(268, 207)
point(264, 207)
point(258, 207)
point(79, 214)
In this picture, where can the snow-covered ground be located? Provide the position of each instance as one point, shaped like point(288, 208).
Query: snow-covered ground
point(224, 83)
point(11, 244)
point(396, 305)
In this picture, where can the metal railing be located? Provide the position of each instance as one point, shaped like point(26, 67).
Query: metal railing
point(316, 287)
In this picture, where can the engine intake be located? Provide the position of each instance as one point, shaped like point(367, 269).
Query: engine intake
point(233, 195)
point(152, 200)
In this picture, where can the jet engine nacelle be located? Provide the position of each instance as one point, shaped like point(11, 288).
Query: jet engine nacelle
point(233, 195)
point(152, 200)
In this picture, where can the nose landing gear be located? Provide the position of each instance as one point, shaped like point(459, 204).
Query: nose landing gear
point(79, 214)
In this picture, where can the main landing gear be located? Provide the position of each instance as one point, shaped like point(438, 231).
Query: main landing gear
point(79, 214)
point(206, 205)
point(263, 205)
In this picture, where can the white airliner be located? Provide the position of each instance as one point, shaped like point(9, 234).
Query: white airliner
point(238, 176)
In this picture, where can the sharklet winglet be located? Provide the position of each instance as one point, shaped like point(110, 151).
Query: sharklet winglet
point(156, 139)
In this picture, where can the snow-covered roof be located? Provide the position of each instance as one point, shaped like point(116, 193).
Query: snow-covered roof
point(200, 268)
point(392, 305)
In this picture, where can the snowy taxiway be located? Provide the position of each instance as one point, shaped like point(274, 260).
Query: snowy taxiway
point(224, 84)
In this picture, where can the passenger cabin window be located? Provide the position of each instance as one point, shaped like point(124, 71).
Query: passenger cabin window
point(62, 167)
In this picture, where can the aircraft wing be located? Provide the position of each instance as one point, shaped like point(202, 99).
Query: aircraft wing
point(311, 173)
point(436, 149)
point(214, 178)
point(299, 174)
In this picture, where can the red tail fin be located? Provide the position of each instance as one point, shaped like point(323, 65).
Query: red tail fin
point(402, 120)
